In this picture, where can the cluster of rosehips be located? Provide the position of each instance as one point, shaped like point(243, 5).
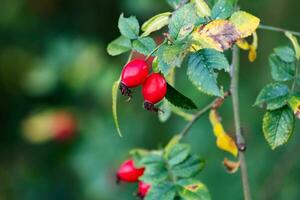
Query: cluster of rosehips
point(130, 174)
point(154, 86)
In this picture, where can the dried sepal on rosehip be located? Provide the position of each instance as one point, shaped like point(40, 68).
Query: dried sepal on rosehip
point(133, 74)
point(128, 172)
point(154, 90)
point(143, 189)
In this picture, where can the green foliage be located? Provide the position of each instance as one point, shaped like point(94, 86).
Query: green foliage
point(285, 53)
point(280, 70)
point(282, 103)
point(129, 27)
point(119, 46)
point(163, 191)
point(177, 154)
point(201, 70)
point(223, 9)
point(178, 99)
point(278, 126)
point(144, 45)
point(170, 56)
point(170, 171)
point(186, 15)
point(167, 111)
point(273, 95)
point(115, 88)
point(192, 189)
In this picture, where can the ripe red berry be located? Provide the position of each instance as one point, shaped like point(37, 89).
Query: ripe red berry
point(154, 90)
point(64, 126)
point(128, 172)
point(143, 189)
point(133, 74)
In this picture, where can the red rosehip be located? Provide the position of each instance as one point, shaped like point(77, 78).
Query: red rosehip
point(128, 172)
point(64, 126)
point(154, 90)
point(143, 189)
point(133, 74)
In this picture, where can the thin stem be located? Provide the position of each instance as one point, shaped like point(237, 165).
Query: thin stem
point(272, 28)
point(197, 115)
point(213, 105)
point(236, 112)
point(130, 57)
point(296, 76)
point(154, 50)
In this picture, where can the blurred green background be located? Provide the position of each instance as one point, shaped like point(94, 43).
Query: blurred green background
point(53, 59)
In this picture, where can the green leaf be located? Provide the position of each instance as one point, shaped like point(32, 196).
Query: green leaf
point(167, 111)
point(164, 67)
point(163, 191)
point(223, 9)
point(174, 54)
point(286, 54)
point(177, 154)
point(155, 173)
point(278, 126)
point(189, 168)
point(119, 46)
point(129, 27)
point(144, 45)
point(153, 157)
point(178, 99)
point(280, 70)
point(137, 155)
point(155, 169)
point(202, 8)
point(186, 15)
point(170, 56)
point(155, 23)
point(190, 189)
point(185, 31)
point(174, 141)
point(274, 95)
point(114, 105)
point(201, 68)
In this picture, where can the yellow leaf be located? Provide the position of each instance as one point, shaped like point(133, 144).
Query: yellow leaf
point(222, 32)
point(294, 103)
point(295, 43)
point(243, 44)
point(203, 9)
point(202, 42)
point(244, 23)
point(214, 117)
point(219, 34)
point(253, 47)
point(252, 54)
point(224, 141)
